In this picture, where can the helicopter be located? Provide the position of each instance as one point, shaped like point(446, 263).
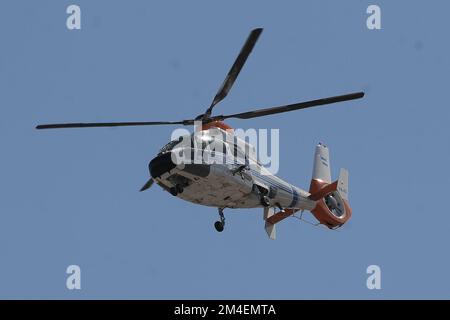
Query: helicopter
point(228, 175)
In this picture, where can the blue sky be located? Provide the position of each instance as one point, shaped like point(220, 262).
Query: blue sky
point(71, 197)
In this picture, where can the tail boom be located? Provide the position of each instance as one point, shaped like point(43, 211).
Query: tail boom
point(327, 201)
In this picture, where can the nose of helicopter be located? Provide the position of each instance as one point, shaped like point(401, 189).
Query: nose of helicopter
point(161, 164)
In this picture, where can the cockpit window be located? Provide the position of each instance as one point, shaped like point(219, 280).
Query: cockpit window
point(168, 147)
point(212, 142)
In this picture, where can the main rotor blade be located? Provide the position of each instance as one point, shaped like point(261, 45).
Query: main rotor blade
point(243, 115)
point(290, 107)
point(235, 69)
point(111, 124)
point(147, 185)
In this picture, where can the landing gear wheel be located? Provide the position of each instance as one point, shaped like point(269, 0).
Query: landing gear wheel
point(219, 226)
point(265, 201)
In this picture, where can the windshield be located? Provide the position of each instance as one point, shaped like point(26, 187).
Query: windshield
point(213, 141)
point(169, 146)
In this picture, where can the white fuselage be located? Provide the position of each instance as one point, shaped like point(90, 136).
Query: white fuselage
point(225, 184)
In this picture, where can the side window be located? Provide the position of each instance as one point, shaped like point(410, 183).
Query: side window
point(239, 155)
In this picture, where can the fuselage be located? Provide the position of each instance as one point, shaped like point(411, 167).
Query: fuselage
point(215, 168)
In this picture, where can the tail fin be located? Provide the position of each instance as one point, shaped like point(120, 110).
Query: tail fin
point(321, 168)
point(270, 227)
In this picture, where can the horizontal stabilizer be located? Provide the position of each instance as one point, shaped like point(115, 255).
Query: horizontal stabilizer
point(281, 215)
point(324, 191)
